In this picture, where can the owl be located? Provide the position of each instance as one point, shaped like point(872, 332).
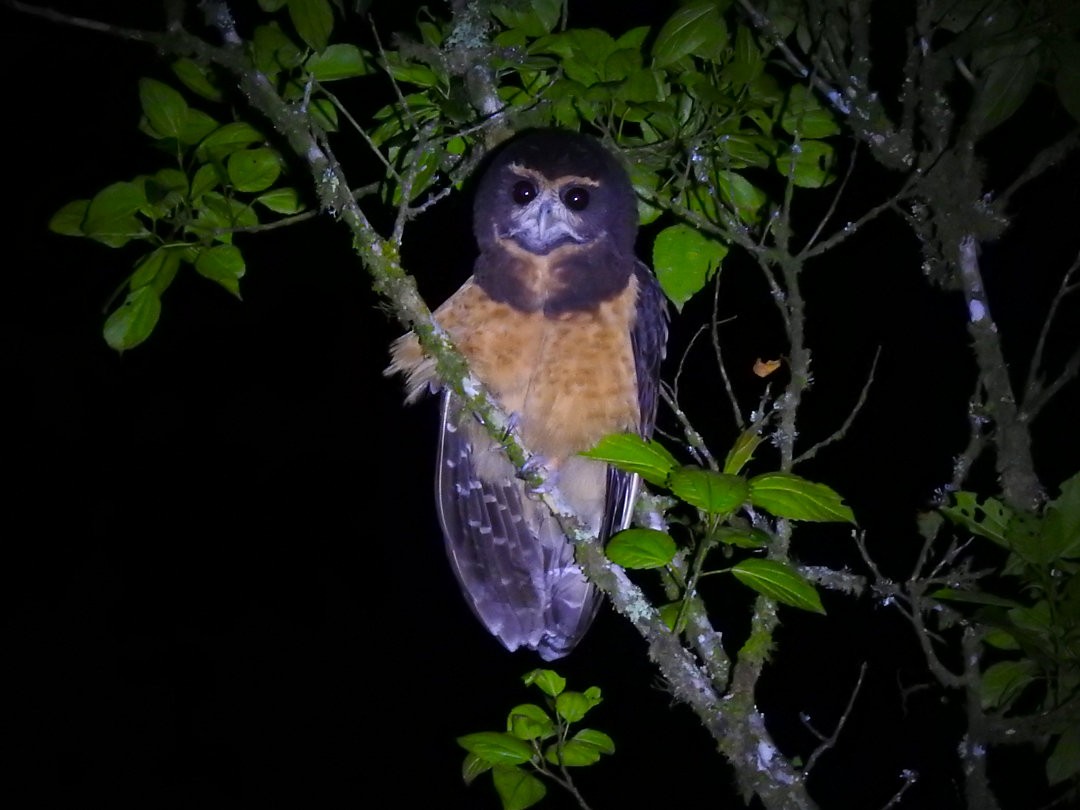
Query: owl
point(567, 329)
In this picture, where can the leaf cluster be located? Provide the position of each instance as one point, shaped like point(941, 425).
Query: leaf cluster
point(537, 738)
point(718, 496)
point(1032, 617)
point(223, 176)
point(186, 214)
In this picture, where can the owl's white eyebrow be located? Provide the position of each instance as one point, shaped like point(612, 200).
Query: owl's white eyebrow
point(542, 179)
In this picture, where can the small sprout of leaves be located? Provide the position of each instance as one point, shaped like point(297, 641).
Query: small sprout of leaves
point(516, 758)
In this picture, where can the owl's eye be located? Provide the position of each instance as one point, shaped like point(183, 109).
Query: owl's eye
point(523, 192)
point(576, 198)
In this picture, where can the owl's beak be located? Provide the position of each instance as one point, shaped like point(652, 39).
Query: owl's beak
point(545, 225)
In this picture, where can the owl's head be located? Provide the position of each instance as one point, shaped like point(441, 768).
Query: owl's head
point(549, 188)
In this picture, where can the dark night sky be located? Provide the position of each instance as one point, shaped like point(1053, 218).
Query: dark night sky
point(222, 577)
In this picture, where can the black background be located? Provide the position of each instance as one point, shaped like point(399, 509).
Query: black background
point(222, 577)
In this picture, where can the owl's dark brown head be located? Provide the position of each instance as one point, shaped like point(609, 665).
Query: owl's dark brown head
point(549, 188)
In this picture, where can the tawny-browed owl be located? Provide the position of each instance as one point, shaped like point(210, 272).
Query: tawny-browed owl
point(567, 329)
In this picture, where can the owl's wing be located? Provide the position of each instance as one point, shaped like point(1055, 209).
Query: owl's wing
point(648, 337)
point(513, 562)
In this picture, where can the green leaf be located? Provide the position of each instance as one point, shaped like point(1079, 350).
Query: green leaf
point(427, 165)
point(157, 269)
point(746, 63)
point(338, 61)
point(641, 548)
point(742, 451)
point(989, 519)
point(788, 496)
point(165, 190)
point(324, 114)
point(584, 51)
point(1001, 639)
point(1061, 523)
point(633, 39)
point(598, 739)
point(413, 73)
point(741, 150)
point(745, 199)
point(313, 21)
point(572, 706)
point(227, 139)
point(164, 108)
point(809, 164)
point(517, 789)
point(110, 216)
point(669, 614)
point(620, 64)
point(274, 51)
point(431, 33)
point(636, 455)
point(973, 598)
point(69, 219)
point(134, 320)
point(695, 29)
point(1064, 761)
point(1037, 618)
point(533, 17)
point(1026, 536)
point(684, 261)
point(496, 747)
point(281, 201)
point(1001, 90)
point(196, 126)
point(805, 116)
point(472, 767)
point(197, 78)
point(217, 216)
point(778, 581)
point(713, 492)
point(549, 681)
point(584, 748)
point(1003, 682)
point(205, 179)
point(743, 538)
point(223, 264)
point(529, 722)
point(253, 169)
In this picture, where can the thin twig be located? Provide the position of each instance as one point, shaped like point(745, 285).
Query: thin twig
point(714, 324)
point(138, 35)
point(841, 432)
point(910, 778)
point(695, 443)
point(830, 741)
point(762, 23)
point(361, 132)
point(1046, 159)
point(851, 228)
point(832, 203)
point(1036, 394)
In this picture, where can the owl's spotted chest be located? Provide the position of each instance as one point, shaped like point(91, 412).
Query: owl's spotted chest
point(569, 379)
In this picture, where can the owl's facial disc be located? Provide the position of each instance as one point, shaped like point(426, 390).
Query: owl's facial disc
point(544, 216)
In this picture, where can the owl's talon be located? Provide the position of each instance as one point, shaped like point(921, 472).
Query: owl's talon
point(513, 422)
point(538, 465)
